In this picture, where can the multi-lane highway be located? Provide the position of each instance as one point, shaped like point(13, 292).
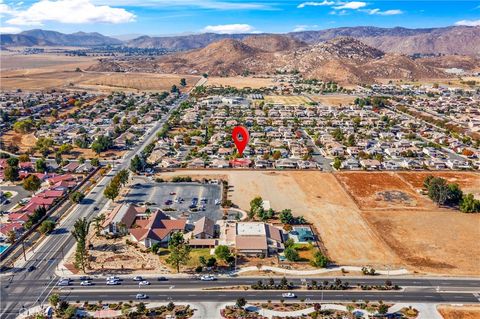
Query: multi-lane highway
point(46, 257)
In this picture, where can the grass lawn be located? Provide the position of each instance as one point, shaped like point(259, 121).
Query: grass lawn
point(194, 256)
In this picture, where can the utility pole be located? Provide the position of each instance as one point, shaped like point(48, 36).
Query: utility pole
point(23, 249)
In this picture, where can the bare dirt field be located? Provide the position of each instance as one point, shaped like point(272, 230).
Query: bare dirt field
point(317, 196)
point(240, 82)
point(468, 181)
point(23, 141)
point(438, 241)
point(49, 71)
point(287, 99)
point(460, 312)
point(333, 99)
point(371, 190)
point(139, 81)
point(422, 238)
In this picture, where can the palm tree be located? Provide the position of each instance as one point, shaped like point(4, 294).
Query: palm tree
point(98, 221)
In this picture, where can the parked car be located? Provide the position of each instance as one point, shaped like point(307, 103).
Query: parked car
point(31, 268)
point(113, 278)
point(82, 278)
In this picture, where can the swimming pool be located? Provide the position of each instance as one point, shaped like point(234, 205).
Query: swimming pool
point(3, 248)
point(304, 234)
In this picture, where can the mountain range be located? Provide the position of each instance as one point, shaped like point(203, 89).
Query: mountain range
point(344, 60)
point(462, 40)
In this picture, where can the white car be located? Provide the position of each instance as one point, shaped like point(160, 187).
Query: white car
point(288, 295)
point(86, 283)
point(112, 278)
point(137, 278)
point(64, 282)
point(141, 296)
point(113, 282)
point(207, 278)
point(143, 283)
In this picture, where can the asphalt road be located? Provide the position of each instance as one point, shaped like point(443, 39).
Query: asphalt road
point(46, 257)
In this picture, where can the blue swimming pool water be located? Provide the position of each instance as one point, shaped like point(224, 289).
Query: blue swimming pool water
point(3, 248)
point(304, 234)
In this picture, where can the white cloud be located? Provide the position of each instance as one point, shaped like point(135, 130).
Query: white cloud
point(205, 4)
point(304, 27)
point(229, 28)
point(383, 13)
point(469, 23)
point(353, 5)
point(10, 30)
point(69, 11)
point(315, 4)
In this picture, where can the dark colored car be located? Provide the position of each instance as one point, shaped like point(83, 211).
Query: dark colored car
point(162, 279)
point(31, 268)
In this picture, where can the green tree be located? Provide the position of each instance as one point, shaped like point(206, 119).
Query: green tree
point(241, 302)
point(256, 207)
point(286, 216)
point(438, 190)
point(222, 252)
point(12, 161)
point(32, 183)
point(76, 197)
point(54, 299)
point(337, 163)
point(319, 260)
point(47, 226)
point(179, 251)
point(41, 165)
point(291, 254)
point(289, 243)
point(80, 232)
point(24, 158)
point(455, 195)
point(141, 308)
point(136, 164)
point(65, 148)
point(183, 82)
point(111, 191)
point(469, 204)
point(95, 162)
point(11, 173)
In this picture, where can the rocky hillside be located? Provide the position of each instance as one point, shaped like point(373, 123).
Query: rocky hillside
point(345, 60)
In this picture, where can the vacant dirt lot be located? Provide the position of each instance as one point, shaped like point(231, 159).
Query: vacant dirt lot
point(371, 190)
point(240, 82)
point(468, 181)
point(438, 241)
point(333, 99)
point(318, 197)
point(459, 312)
point(138, 81)
point(287, 100)
point(422, 237)
point(48, 71)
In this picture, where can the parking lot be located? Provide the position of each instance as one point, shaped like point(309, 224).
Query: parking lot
point(180, 200)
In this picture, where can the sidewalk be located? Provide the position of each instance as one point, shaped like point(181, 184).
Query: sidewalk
point(395, 272)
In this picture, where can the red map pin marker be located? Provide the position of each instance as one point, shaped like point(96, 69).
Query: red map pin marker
point(240, 137)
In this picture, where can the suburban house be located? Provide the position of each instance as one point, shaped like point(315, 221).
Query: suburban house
point(258, 239)
point(143, 227)
point(204, 229)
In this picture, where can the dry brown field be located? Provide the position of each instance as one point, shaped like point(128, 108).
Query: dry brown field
point(468, 181)
point(371, 190)
point(287, 99)
point(49, 71)
point(240, 82)
point(421, 238)
point(333, 99)
point(460, 312)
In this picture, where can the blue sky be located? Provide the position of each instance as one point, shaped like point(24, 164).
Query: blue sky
point(167, 17)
